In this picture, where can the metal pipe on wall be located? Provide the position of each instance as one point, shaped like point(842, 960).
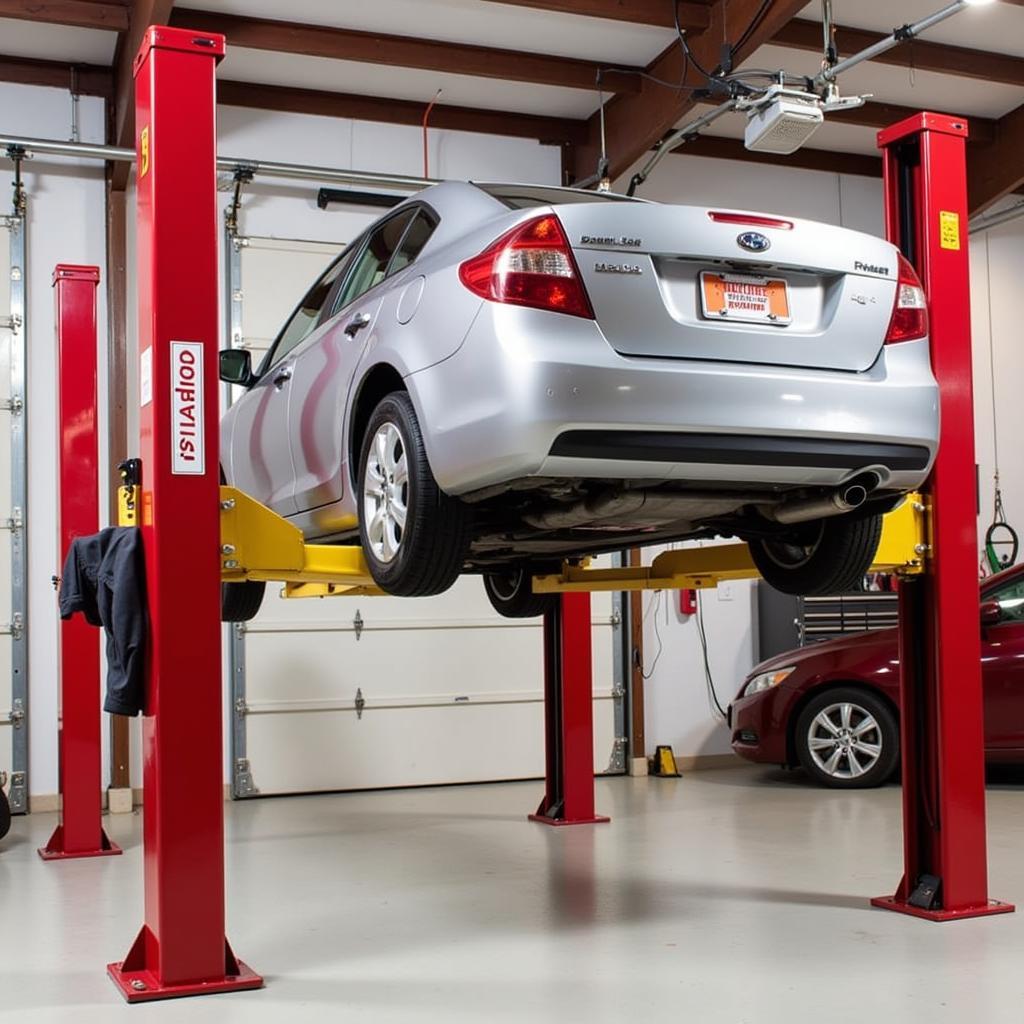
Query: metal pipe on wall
point(264, 168)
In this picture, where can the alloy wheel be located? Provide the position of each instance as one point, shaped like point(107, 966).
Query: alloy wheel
point(386, 492)
point(844, 740)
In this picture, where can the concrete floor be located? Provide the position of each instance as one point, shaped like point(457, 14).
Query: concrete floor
point(728, 896)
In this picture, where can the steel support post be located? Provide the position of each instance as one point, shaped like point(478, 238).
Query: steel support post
point(568, 716)
point(80, 833)
point(945, 870)
point(182, 948)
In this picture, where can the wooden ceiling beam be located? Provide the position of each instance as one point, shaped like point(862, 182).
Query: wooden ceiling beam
point(78, 13)
point(90, 79)
point(693, 17)
point(997, 169)
point(806, 158)
point(801, 34)
point(635, 123)
point(141, 14)
point(548, 130)
point(405, 51)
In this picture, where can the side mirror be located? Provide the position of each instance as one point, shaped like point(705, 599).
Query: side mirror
point(991, 613)
point(236, 366)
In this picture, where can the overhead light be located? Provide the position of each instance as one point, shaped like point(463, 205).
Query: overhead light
point(979, 3)
point(783, 121)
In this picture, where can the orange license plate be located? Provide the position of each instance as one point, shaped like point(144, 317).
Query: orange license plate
point(745, 298)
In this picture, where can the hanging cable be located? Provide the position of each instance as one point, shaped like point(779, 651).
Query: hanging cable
point(1000, 533)
point(713, 703)
point(426, 117)
point(655, 607)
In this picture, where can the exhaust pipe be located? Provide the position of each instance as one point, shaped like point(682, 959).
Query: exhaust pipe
point(847, 498)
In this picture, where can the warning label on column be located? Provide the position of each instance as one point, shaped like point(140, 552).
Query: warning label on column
point(949, 230)
point(187, 454)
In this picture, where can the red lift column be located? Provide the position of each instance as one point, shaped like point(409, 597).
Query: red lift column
point(181, 949)
point(945, 870)
point(79, 833)
point(568, 716)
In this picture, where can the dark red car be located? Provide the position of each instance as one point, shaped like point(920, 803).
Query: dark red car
point(834, 707)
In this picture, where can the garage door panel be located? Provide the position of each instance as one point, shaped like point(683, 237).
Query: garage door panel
point(389, 747)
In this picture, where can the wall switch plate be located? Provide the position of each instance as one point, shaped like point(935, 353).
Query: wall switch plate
point(724, 591)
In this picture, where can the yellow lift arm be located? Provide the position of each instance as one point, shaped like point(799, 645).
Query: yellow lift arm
point(257, 544)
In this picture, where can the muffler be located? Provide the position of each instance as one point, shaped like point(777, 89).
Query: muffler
point(845, 499)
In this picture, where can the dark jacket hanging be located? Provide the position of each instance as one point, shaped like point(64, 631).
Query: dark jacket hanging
point(104, 579)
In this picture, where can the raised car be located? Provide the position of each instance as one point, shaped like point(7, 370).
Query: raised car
point(492, 379)
point(833, 708)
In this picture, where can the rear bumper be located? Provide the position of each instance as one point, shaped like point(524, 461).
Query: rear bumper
point(532, 393)
point(728, 449)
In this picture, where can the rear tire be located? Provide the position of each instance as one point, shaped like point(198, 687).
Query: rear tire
point(872, 754)
point(511, 594)
point(414, 536)
point(239, 602)
point(827, 556)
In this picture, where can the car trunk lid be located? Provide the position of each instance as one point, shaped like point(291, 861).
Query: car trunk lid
point(794, 292)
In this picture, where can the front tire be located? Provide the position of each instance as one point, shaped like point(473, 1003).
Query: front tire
point(847, 738)
point(414, 536)
point(827, 556)
point(240, 602)
point(511, 594)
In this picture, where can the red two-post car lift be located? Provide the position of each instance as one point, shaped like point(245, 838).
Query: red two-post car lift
point(182, 948)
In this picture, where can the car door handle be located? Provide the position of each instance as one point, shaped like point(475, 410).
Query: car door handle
point(356, 324)
point(282, 377)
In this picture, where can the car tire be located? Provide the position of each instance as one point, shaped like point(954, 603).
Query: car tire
point(240, 602)
point(414, 536)
point(5, 814)
point(511, 594)
point(867, 756)
point(827, 556)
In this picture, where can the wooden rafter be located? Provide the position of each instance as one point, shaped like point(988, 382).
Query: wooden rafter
point(801, 34)
point(693, 17)
point(635, 123)
point(89, 79)
point(806, 158)
point(77, 13)
point(404, 51)
point(142, 14)
point(997, 169)
point(551, 130)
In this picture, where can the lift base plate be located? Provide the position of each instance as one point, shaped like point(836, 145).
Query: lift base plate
point(597, 819)
point(982, 910)
point(144, 986)
point(54, 849)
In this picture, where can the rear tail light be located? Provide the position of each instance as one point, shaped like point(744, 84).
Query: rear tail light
point(910, 312)
point(750, 220)
point(531, 265)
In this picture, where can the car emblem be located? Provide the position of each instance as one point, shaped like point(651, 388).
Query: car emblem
point(754, 241)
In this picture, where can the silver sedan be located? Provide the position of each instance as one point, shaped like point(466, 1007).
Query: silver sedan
point(496, 378)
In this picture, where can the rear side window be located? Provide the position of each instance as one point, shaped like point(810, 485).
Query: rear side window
point(371, 267)
point(415, 237)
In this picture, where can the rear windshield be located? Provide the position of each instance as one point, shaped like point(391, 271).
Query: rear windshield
point(524, 197)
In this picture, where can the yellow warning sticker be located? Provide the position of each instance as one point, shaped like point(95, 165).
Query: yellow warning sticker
point(144, 153)
point(949, 229)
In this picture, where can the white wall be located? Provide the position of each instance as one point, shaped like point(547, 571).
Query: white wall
point(66, 224)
